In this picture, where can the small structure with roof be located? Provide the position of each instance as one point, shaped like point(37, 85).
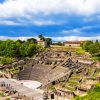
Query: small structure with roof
point(73, 43)
point(43, 43)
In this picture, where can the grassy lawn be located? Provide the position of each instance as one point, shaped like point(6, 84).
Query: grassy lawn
point(69, 88)
point(72, 82)
point(2, 94)
point(76, 76)
point(6, 60)
point(80, 51)
point(8, 99)
point(96, 58)
point(52, 87)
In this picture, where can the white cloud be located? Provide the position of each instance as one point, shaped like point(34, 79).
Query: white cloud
point(36, 10)
point(45, 22)
point(76, 30)
point(30, 22)
point(8, 22)
point(65, 38)
point(15, 38)
point(26, 8)
point(74, 38)
point(79, 30)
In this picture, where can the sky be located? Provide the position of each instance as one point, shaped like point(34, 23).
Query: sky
point(61, 20)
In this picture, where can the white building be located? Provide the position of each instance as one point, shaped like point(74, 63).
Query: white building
point(43, 43)
point(72, 43)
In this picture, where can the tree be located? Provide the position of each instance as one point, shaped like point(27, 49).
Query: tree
point(32, 40)
point(28, 49)
point(31, 50)
point(96, 41)
point(8, 48)
point(48, 41)
point(41, 37)
point(19, 41)
point(86, 45)
point(23, 50)
point(16, 49)
point(94, 48)
point(60, 43)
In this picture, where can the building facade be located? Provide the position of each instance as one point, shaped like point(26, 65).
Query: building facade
point(43, 43)
point(72, 43)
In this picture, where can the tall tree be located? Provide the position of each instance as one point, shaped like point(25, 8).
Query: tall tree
point(48, 41)
point(87, 44)
point(41, 37)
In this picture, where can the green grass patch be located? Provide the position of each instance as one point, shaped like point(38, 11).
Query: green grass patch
point(6, 60)
point(8, 99)
point(69, 88)
point(96, 73)
point(72, 82)
point(80, 51)
point(96, 58)
point(76, 76)
point(2, 94)
point(51, 87)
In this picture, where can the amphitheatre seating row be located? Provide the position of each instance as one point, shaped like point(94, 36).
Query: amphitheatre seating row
point(42, 73)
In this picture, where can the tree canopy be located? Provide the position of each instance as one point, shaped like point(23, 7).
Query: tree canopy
point(15, 49)
point(92, 47)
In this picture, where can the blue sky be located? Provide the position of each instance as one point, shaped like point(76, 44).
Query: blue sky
point(62, 20)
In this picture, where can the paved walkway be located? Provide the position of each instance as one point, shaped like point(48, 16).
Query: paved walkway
point(22, 90)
